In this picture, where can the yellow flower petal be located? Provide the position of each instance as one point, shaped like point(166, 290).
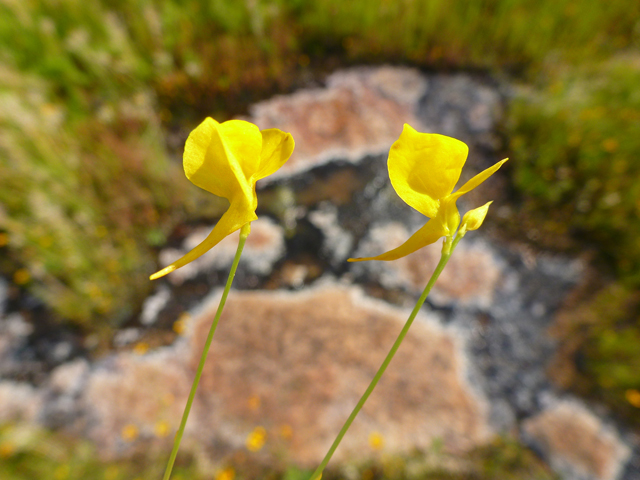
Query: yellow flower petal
point(277, 147)
point(425, 167)
point(477, 180)
point(428, 234)
point(221, 157)
point(233, 219)
point(473, 219)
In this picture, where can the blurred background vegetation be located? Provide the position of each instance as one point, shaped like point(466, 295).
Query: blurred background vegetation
point(93, 95)
point(32, 453)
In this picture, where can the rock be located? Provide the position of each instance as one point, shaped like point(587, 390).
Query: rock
point(128, 399)
point(338, 243)
point(287, 361)
point(4, 295)
point(469, 279)
point(361, 112)
point(578, 443)
point(263, 248)
point(309, 356)
point(65, 385)
point(14, 331)
point(154, 304)
point(462, 107)
point(19, 402)
point(69, 378)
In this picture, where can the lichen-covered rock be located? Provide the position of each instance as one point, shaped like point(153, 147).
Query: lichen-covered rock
point(470, 278)
point(131, 401)
point(309, 356)
point(359, 113)
point(578, 443)
point(338, 242)
point(19, 402)
point(295, 363)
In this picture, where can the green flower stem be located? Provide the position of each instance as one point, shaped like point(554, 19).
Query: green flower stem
point(244, 233)
point(447, 250)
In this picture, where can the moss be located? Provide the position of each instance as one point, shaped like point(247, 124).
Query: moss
point(28, 452)
point(504, 458)
point(599, 356)
point(575, 147)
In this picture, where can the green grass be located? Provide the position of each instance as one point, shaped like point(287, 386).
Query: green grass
point(30, 453)
point(576, 147)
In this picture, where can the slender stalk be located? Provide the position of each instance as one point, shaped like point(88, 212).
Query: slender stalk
point(447, 250)
point(244, 233)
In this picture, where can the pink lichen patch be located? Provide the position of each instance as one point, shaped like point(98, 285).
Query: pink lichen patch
point(309, 356)
point(361, 112)
point(577, 442)
point(470, 278)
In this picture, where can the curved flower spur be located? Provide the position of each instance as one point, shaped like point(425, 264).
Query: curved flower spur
point(424, 168)
point(226, 159)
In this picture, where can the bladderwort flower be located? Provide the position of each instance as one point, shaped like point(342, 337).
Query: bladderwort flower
point(226, 159)
point(424, 169)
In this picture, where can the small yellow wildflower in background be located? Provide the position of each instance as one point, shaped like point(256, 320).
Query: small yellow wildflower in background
point(633, 397)
point(610, 145)
point(180, 325)
point(4, 239)
point(21, 276)
point(161, 429)
point(376, 440)
point(423, 169)
point(254, 402)
point(7, 449)
point(256, 439)
point(141, 348)
point(227, 159)
point(227, 474)
point(286, 432)
point(130, 432)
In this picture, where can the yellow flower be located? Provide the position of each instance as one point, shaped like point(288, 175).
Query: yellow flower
point(161, 429)
point(376, 440)
point(633, 397)
point(227, 159)
point(256, 439)
point(424, 168)
point(130, 432)
point(227, 474)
